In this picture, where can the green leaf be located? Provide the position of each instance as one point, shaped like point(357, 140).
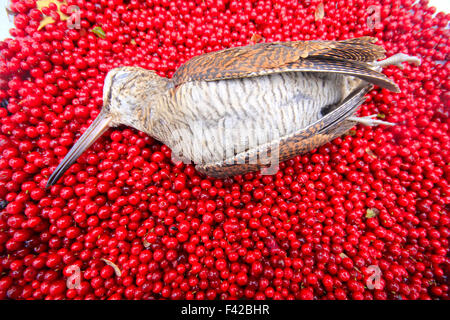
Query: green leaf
point(372, 213)
point(98, 31)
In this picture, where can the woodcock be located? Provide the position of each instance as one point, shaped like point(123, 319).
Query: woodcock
point(245, 108)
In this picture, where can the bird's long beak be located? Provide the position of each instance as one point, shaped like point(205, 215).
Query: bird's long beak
point(95, 130)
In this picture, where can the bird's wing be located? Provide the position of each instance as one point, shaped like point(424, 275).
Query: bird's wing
point(348, 57)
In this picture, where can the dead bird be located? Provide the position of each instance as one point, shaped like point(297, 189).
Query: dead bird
point(244, 109)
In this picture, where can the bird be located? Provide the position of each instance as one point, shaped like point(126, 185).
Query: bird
point(247, 108)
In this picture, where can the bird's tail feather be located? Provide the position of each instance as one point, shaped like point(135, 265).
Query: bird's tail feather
point(95, 130)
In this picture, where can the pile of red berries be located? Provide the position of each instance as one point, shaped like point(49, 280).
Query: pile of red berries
point(363, 217)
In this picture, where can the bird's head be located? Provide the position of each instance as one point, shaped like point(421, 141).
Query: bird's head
point(129, 94)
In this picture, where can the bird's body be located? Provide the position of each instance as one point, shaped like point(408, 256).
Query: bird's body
point(230, 111)
point(205, 121)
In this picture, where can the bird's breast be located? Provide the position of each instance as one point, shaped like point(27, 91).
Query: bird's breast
point(210, 121)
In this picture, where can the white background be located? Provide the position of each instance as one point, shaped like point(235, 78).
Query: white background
point(5, 24)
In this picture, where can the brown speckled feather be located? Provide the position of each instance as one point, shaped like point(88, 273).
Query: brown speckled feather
point(347, 57)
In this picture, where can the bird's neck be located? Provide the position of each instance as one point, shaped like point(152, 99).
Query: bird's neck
point(154, 118)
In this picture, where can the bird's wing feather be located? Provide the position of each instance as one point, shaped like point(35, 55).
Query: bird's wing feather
point(347, 57)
